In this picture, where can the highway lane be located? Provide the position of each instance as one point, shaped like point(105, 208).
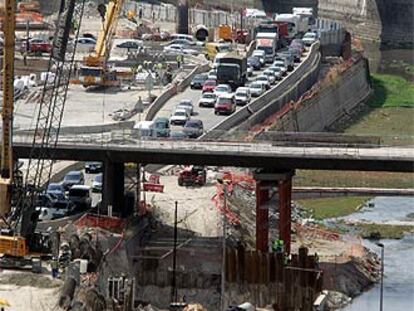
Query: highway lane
point(204, 114)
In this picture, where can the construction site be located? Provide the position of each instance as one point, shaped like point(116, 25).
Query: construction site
point(109, 203)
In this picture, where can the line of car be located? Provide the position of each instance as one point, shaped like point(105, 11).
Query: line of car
point(71, 195)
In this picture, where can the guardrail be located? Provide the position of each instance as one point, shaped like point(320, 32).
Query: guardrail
point(271, 96)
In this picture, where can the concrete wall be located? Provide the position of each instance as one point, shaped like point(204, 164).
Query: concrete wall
point(330, 103)
point(387, 21)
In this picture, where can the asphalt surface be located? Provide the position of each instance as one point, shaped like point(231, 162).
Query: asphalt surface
point(203, 113)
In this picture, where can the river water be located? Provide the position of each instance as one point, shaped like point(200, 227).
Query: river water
point(398, 257)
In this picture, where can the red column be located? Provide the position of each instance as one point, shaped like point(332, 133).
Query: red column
point(285, 213)
point(262, 217)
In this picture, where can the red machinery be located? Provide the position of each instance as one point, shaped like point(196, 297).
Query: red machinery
point(193, 175)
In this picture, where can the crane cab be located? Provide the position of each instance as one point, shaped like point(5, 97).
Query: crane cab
point(97, 76)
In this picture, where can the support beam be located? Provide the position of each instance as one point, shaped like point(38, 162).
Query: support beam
point(113, 186)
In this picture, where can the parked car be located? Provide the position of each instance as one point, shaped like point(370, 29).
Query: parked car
point(209, 86)
point(195, 175)
point(73, 178)
point(309, 38)
point(193, 128)
point(222, 89)
point(242, 96)
point(198, 81)
point(93, 167)
point(130, 44)
point(254, 61)
point(256, 89)
point(265, 80)
point(80, 196)
point(225, 103)
point(179, 49)
point(85, 41)
point(208, 99)
point(179, 117)
point(162, 127)
point(37, 46)
point(97, 183)
point(183, 42)
point(56, 190)
point(186, 104)
point(270, 75)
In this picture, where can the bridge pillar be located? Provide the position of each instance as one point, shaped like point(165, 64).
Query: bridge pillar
point(266, 180)
point(113, 186)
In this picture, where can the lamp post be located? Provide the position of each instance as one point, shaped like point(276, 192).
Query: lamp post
point(382, 275)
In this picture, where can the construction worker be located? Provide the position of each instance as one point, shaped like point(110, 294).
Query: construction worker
point(179, 60)
point(54, 264)
point(140, 13)
point(316, 260)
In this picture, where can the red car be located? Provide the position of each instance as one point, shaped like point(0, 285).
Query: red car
point(209, 86)
point(37, 46)
point(225, 103)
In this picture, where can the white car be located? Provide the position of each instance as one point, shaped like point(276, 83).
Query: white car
point(179, 49)
point(270, 75)
point(281, 65)
point(186, 104)
point(256, 89)
point(208, 99)
point(86, 42)
point(261, 55)
point(265, 80)
point(277, 71)
point(222, 89)
point(310, 38)
point(250, 71)
point(179, 117)
point(242, 96)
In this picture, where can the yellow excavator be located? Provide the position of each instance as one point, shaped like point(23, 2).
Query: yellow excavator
point(95, 70)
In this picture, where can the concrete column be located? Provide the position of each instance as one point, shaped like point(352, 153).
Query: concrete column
point(113, 186)
point(285, 211)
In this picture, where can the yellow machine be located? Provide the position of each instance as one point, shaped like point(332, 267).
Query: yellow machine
point(225, 33)
point(212, 48)
point(95, 71)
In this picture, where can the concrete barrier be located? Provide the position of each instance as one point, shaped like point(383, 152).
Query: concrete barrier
point(159, 102)
point(183, 84)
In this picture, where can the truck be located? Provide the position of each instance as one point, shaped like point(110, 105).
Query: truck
point(232, 70)
point(225, 33)
point(267, 42)
point(297, 24)
point(280, 29)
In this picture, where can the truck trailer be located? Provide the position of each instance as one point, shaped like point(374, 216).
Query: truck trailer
point(232, 70)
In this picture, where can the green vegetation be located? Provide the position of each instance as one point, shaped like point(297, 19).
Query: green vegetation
point(391, 91)
point(332, 207)
point(353, 179)
point(383, 231)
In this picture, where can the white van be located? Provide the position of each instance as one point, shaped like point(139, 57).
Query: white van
point(242, 96)
point(145, 129)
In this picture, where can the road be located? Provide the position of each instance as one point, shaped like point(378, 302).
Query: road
point(204, 114)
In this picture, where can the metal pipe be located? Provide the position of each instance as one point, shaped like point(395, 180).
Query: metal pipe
point(223, 264)
point(173, 281)
point(382, 276)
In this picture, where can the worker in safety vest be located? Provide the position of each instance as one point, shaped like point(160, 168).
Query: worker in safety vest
point(278, 246)
point(54, 264)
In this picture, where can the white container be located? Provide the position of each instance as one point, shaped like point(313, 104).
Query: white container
point(83, 265)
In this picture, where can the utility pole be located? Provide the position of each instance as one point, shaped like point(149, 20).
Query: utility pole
point(382, 276)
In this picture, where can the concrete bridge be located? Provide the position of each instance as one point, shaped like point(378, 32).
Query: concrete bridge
point(276, 166)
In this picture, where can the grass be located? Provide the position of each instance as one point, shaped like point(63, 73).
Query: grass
point(332, 207)
point(391, 91)
point(383, 231)
point(353, 179)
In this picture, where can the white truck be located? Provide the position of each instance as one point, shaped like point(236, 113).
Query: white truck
point(297, 24)
point(267, 42)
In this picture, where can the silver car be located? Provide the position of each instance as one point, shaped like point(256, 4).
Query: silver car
point(186, 104)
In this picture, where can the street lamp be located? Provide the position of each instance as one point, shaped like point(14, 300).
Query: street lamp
point(382, 275)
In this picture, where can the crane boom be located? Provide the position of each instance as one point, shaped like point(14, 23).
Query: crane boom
point(95, 70)
point(6, 166)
